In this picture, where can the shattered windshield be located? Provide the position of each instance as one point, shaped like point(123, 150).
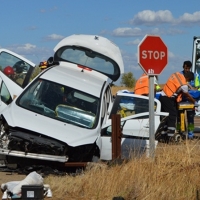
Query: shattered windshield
point(61, 102)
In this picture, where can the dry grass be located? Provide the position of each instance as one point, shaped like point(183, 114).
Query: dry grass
point(174, 174)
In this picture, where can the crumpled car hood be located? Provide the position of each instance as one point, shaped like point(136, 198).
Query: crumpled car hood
point(70, 134)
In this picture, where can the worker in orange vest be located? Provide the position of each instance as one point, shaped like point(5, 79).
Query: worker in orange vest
point(142, 85)
point(172, 92)
point(43, 65)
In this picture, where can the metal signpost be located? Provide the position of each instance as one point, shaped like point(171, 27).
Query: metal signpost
point(152, 57)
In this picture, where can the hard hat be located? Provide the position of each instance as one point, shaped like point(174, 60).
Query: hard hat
point(43, 65)
point(8, 71)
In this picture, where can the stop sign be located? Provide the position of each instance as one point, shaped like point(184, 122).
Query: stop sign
point(152, 55)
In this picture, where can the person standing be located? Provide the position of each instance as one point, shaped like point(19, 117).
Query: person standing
point(43, 65)
point(193, 84)
point(173, 90)
point(142, 85)
point(142, 88)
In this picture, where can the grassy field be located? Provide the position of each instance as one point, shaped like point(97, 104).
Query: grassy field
point(174, 174)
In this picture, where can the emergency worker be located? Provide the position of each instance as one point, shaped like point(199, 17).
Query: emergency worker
point(173, 90)
point(142, 88)
point(142, 85)
point(43, 65)
point(9, 71)
point(20, 72)
point(190, 113)
point(194, 83)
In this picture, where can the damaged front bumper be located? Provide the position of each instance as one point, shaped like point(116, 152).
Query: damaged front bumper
point(18, 144)
point(34, 155)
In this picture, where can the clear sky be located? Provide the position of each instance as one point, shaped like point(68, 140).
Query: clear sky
point(33, 28)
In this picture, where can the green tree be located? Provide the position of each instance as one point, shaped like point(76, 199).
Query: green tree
point(128, 79)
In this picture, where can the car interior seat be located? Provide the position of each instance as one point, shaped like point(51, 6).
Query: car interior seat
point(52, 98)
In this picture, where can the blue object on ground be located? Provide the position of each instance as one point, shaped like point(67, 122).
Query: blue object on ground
point(190, 135)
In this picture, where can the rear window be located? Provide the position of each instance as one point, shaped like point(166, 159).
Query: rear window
point(88, 58)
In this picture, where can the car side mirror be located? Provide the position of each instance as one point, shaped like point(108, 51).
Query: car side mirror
point(50, 61)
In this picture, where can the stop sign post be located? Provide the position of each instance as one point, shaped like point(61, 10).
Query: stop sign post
point(152, 58)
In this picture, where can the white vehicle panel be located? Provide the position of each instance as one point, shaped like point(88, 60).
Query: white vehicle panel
point(13, 88)
point(9, 86)
point(135, 130)
point(68, 133)
point(129, 148)
point(96, 43)
point(84, 81)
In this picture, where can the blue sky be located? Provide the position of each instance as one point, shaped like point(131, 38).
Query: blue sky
point(33, 28)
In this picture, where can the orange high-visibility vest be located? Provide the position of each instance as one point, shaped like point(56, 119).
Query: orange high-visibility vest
point(175, 81)
point(142, 85)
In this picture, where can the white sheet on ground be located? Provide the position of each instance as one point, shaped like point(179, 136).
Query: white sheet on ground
point(15, 186)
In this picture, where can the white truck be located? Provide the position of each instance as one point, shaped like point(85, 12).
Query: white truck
point(196, 66)
point(196, 55)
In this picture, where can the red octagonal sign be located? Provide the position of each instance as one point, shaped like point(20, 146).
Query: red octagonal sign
point(152, 55)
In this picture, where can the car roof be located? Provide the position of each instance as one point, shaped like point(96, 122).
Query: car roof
point(102, 48)
point(76, 78)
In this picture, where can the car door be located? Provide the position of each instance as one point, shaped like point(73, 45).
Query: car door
point(13, 86)
point(129, 139)
point(134, 111)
